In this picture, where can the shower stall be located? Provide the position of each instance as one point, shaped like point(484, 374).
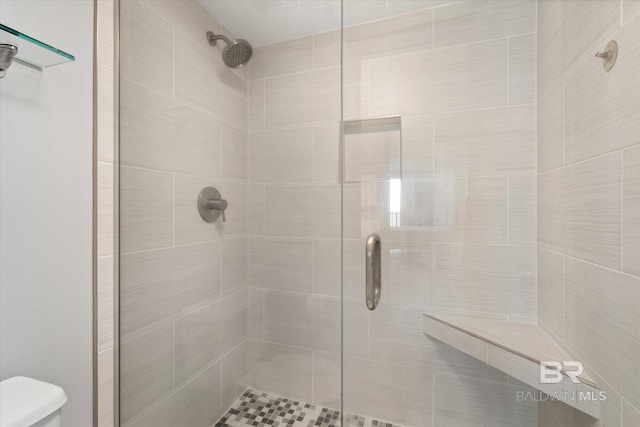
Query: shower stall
point(366, 212)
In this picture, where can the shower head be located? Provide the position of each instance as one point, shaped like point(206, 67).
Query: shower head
point(7, 53)
point(236, 53)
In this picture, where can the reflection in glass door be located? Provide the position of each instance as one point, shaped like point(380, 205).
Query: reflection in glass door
point(437, 153)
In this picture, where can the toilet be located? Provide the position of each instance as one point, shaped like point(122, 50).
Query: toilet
point(25, 402)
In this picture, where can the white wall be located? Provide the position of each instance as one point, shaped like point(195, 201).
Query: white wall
point(46, 206)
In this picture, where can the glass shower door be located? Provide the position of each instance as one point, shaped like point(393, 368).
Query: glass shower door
point(438, 160)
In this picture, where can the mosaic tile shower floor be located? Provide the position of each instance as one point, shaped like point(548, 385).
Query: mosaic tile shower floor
point(258, 409)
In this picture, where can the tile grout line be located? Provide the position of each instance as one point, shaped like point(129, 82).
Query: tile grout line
point(508, 71)
point(622, 211)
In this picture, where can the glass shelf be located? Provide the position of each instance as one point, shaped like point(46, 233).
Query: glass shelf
point(33, 52)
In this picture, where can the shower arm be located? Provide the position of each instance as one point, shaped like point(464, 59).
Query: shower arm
point(213, 38)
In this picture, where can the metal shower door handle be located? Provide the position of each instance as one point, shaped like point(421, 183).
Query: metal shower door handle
point(373, 282)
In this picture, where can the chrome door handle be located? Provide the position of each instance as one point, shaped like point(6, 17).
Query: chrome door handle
point(373, 265)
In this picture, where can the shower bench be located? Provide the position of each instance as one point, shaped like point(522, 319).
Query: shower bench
point(516, 349)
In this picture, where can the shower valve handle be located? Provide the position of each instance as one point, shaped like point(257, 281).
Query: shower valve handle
point(218, 205)
point(211, 205)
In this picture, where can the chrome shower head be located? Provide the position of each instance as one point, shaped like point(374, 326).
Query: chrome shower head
point(236, 53)
point(7, 53)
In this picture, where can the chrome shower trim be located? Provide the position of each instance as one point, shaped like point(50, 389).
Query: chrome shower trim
point(7, 53)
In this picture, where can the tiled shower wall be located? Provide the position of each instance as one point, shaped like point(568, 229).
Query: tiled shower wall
point(462, 76)
point(105, 216)
point(183, 282)
point(589, 199)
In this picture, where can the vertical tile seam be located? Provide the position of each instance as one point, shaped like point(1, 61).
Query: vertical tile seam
point(173, 60)
point(508, 210)
point(622, 210)
point(508, 71)
point(564, 163)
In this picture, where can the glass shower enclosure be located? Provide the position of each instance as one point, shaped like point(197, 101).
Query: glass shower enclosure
point(248, 195)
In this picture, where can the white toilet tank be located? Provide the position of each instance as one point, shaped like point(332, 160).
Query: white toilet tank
point(25, 402)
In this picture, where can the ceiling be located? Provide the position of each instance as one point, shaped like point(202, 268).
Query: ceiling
point(264, 22)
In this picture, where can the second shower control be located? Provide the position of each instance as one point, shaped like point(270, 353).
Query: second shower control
point(211, 205)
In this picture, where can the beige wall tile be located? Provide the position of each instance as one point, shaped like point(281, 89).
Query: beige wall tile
point(146, 371)
point(417, 147)
point(158, 133)
point(522, 69)
point(146, 44)
point(546, 416)
point(281, 156)
point(303, 98)
point(256, 111)
point(557, 414)
point(600, 307)
point(631, 415)
point(281, 369)
point(486, 142)
point(408, 33)
point(396, 334)
point(450, 361)
point(441, 80)
point(522, 210)
point(292, 56)
point(235, 265)
point(255, 313)
point(190, 18)
point(492, 279)
point(195, 404)
point(326, 150)
point(157, 286)
point(373, 155)
point(105, 303)
point(551, 291)
point(326, 379)
point(551, 129)
point(592, 210)
point(600, 107)
point(146, 209)
point(106, 198)
point(233, 153)
point(394, 393)
point(255, 209)
point(302, 210)
point(203, 336)
point(233, 374)
point(472, 21)
point(410, 272)
point(549, 46)
point(326, 266)
point(105, 80)
point(630, 8)
point(579, 210)
point(283, 264)
point(550, 210)
point(105, 388)
point(488, 402)
point(326, 49)
point(470, 210)
point(631, 211)
point(302, 320)
point(196, 65)
point(356, 81)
